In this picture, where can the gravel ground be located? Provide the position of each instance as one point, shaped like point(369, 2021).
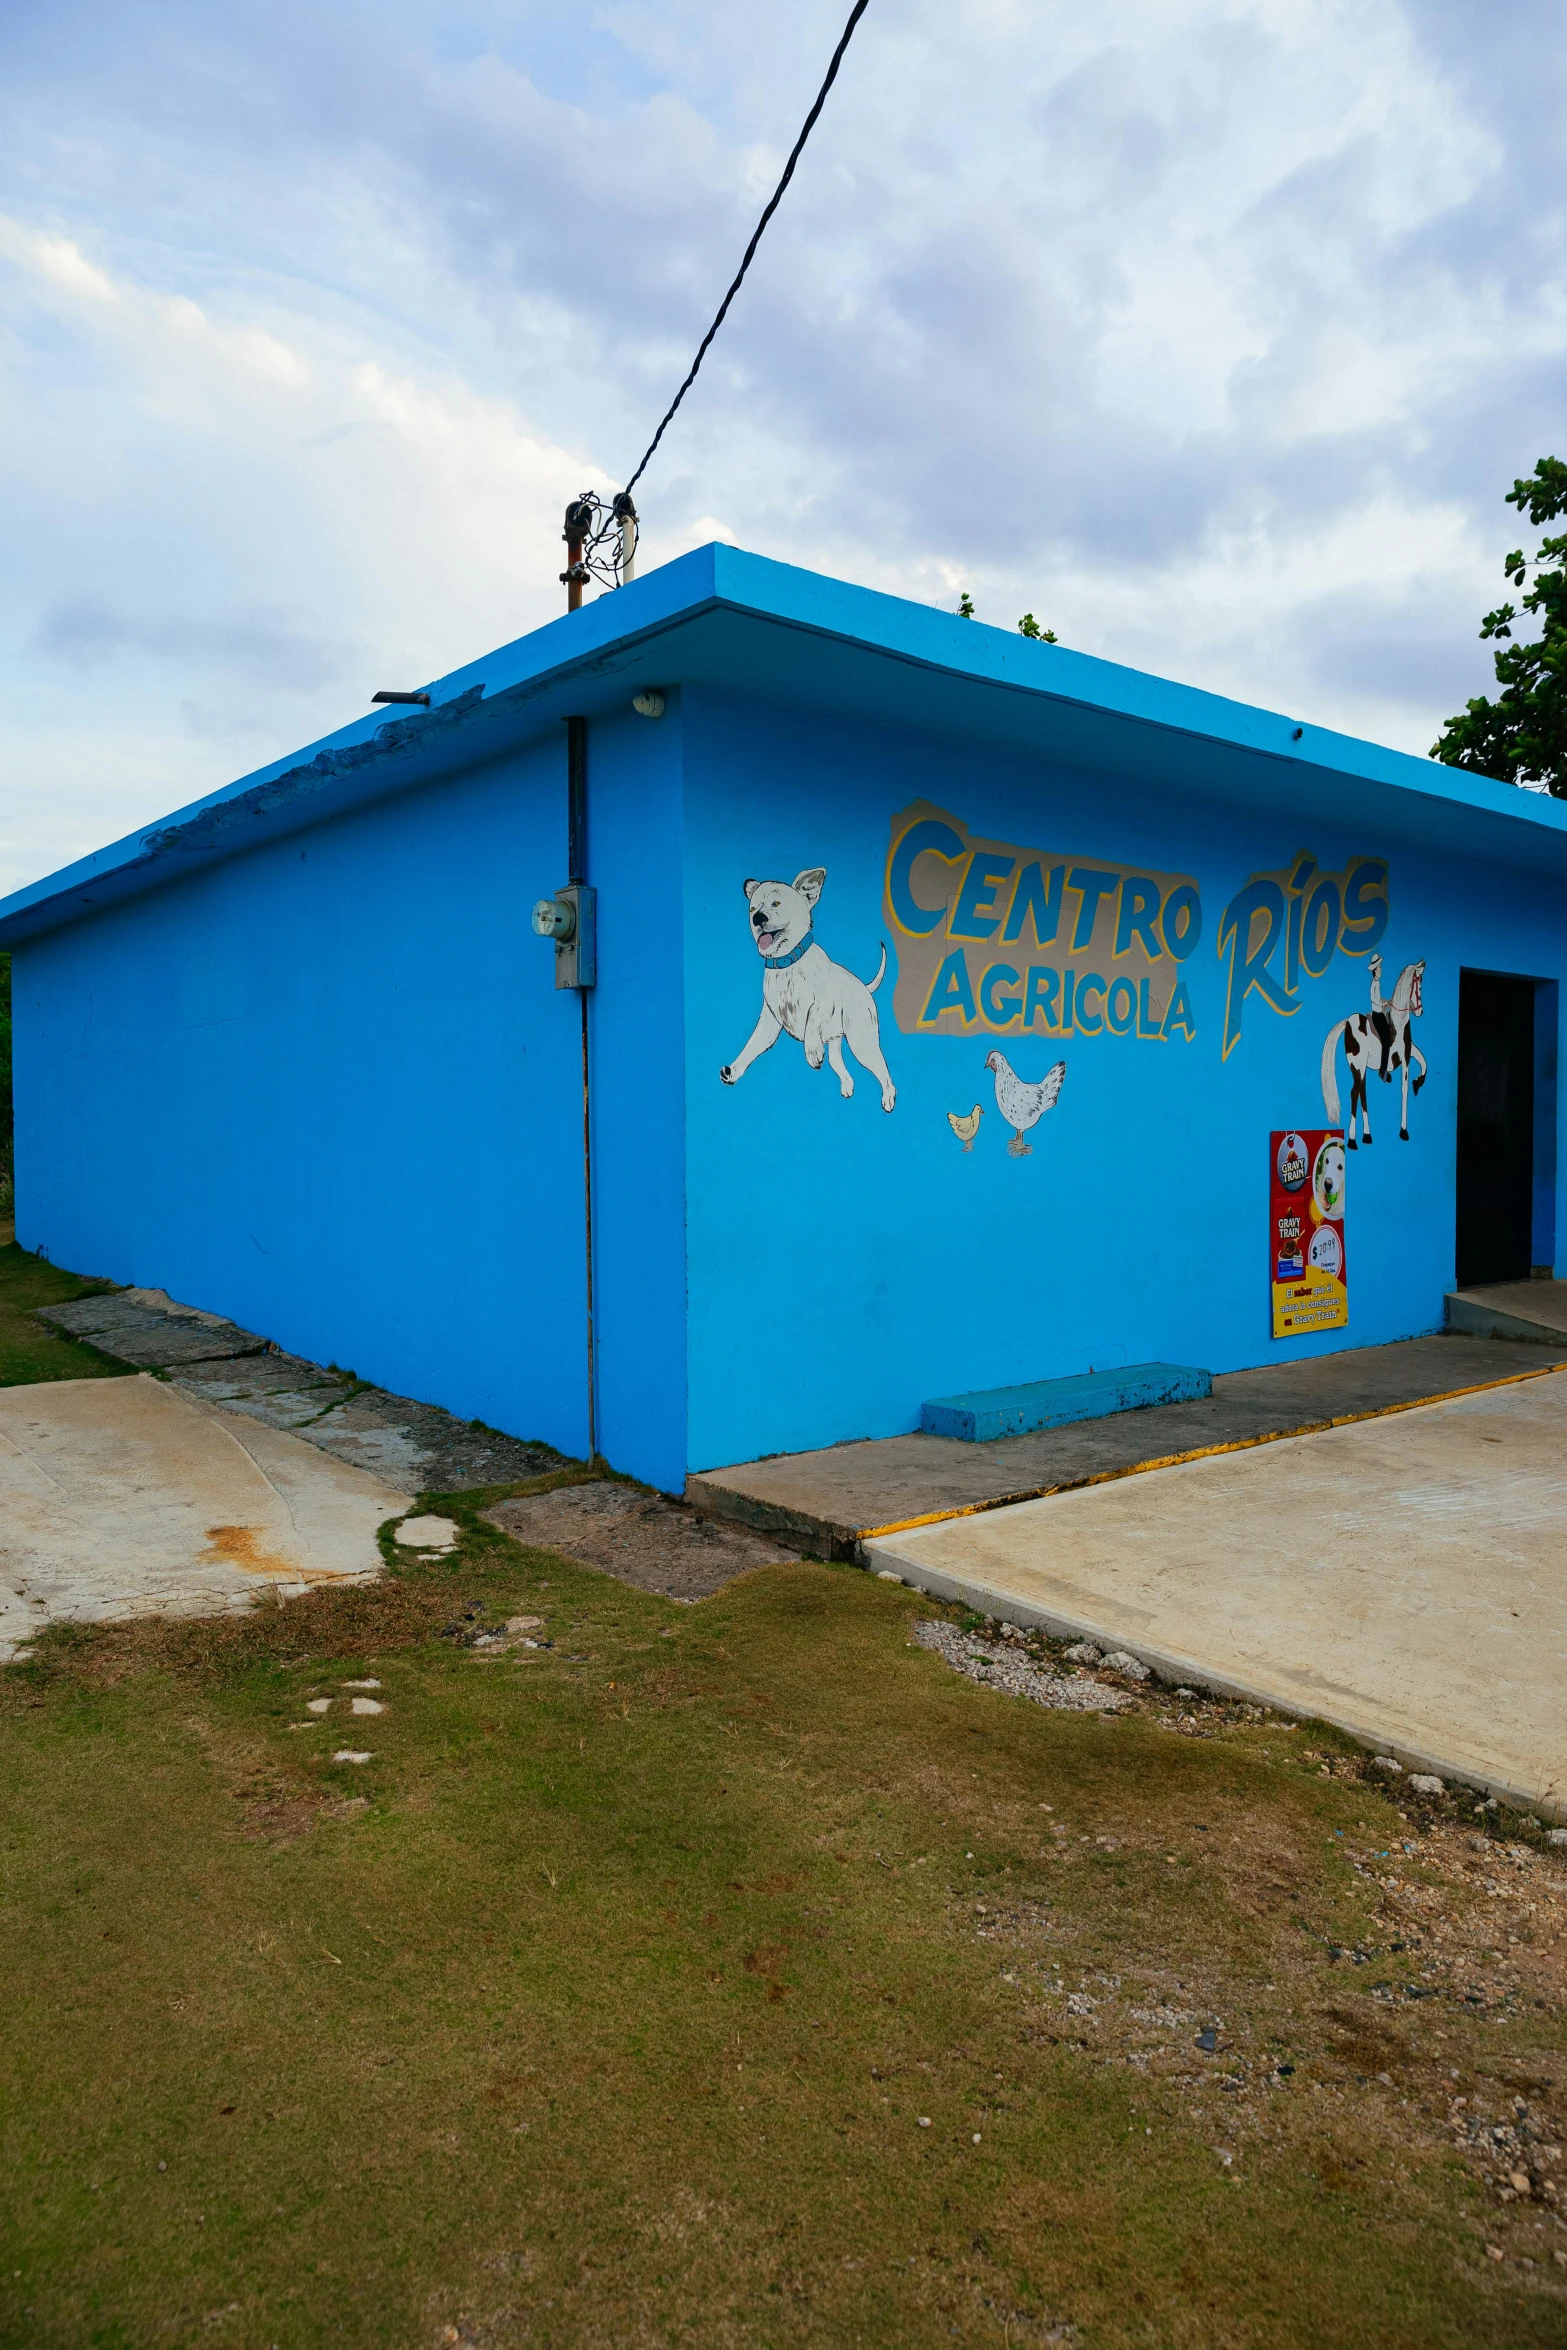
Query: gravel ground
point(1016, 1675)
point(1462, 1928)
point(658, 1545)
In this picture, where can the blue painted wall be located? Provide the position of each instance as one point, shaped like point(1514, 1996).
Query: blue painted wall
point(845, 1264)
point(636, 1015)
point(327, 1087)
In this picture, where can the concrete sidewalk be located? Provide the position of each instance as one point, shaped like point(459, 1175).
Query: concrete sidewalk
point(830, 1503)
point(124, 1497)
point(1534, 1309)
point(1405, 1577)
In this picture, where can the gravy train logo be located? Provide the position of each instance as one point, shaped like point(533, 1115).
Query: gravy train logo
point(996, 939)
point(1291, 1163)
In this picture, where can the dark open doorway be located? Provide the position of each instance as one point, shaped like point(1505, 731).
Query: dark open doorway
point(1496, 1088)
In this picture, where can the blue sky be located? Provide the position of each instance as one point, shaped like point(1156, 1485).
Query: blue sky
point(1211, 333)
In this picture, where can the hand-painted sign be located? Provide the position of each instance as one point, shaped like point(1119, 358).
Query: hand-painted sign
point(977, 919)
point(1307, 1272)
point(1294, 921)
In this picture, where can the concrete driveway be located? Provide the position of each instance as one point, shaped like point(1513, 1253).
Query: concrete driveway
point(126, 1497)
point(1405, 1577)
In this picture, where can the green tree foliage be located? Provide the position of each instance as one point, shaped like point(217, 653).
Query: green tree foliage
point(1028, 626)
point(1521, 737)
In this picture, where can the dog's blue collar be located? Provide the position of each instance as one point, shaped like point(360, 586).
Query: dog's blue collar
point(782, 962)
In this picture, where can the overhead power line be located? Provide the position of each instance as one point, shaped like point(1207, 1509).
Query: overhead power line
point(773, 203)
point(602, 535)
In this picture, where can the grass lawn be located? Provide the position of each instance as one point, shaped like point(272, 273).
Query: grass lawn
point(734, 1974)
point(28, 1350)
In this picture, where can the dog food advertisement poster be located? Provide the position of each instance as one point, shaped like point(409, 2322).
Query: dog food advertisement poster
point(1307, 1271)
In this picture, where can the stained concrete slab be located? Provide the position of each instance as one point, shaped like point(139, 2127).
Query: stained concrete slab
point(1405, 1577)
point(830, 1502)
point(127, 1497)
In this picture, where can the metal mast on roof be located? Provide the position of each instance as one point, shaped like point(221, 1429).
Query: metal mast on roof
point(601, 537)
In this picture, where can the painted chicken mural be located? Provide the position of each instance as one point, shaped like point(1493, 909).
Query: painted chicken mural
point(1023, 1105)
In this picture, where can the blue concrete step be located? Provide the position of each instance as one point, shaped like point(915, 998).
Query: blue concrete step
point(1054, 1403)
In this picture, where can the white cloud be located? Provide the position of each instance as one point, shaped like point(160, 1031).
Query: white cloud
point(57, 258)
point(236, 529)
point(1209, 330)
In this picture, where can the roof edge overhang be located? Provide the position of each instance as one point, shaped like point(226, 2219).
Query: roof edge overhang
point(716, 614)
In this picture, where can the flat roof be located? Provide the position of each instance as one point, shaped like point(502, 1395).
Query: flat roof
point(721, 615)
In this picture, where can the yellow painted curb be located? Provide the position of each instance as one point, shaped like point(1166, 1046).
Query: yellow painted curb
point(1204, 1452)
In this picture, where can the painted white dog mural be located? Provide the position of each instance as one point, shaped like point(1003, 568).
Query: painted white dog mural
point(804, 992)
point(1382, 1039)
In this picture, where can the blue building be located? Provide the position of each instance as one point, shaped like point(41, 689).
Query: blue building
point(951, 988)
